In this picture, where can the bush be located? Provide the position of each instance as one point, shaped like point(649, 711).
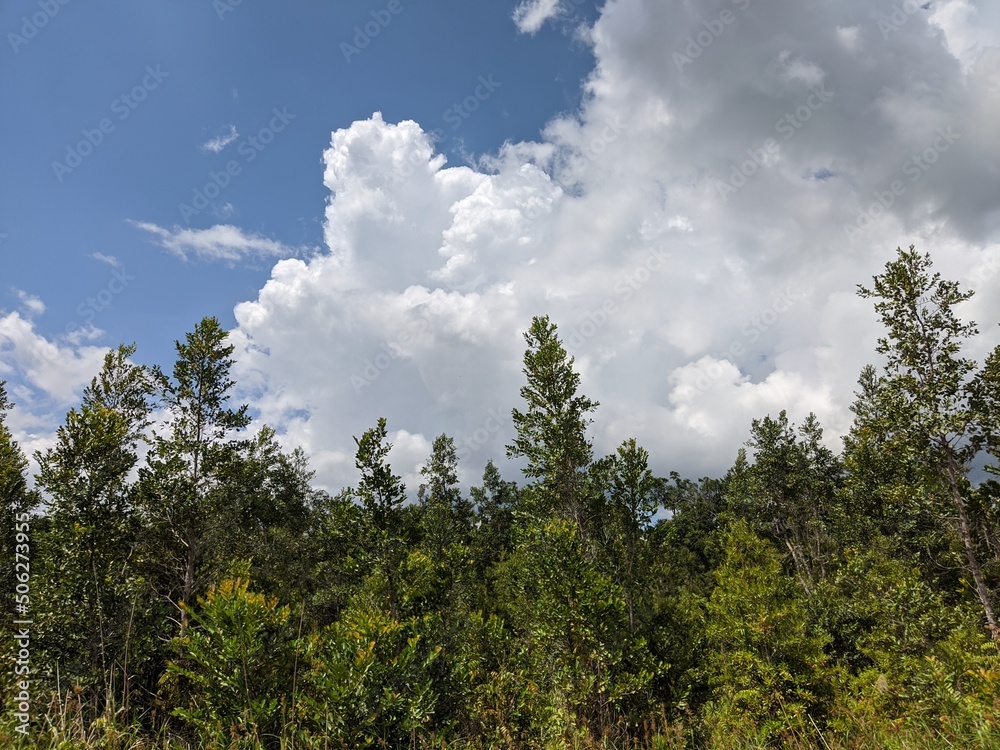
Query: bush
point(232, 670)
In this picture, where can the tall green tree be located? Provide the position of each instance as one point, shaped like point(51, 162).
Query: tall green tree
point(382, 494)
point(881, 495)
point(447, 515)
point(632, 496)
point(572, 622)
point(930, 393)
point(264, 499)
point(183, 507)
point(551, 432)
point(90, 579)
point(987, 403)
point(764, 661)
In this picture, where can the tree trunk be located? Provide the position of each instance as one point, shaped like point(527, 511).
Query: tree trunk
point(187, 591)
point(801, 569)
point(965, 533)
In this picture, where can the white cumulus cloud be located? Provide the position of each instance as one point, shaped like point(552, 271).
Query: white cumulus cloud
point(690, 309)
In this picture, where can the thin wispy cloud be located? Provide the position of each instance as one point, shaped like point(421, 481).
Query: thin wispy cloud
point(107, 259)
point(221, 242)
point(218, 143)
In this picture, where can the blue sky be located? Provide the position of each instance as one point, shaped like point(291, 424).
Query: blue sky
point(228, 66)
point(692, 192)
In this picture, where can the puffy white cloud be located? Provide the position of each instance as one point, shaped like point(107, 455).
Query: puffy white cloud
point(220, 242)
point(696, 230)
point(32, 304)
point(56, 371)
point(531, 15)
point(971, 29)
point(44, 378)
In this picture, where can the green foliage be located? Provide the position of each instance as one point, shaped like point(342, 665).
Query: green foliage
point(882, 495)
point(184, 506)
point(87, 583)
point(447, 515)
point(987, 403)
point(787, 493)
point(907, 657)
point(365, 682)
point(231, 676)
point(381, 494)
point(551, 433)
point(631, 494)
point(336, 541)
point(494, 506)
point(930, 403)
point(573, 624)
point(765, 664)
point(927, 384)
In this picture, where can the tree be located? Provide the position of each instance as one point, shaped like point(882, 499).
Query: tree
point(90, 577)
point(788, 492)
point(264, 500)
point(632, 496)
point(987, 403)
point(447, 516)
point(879, 497)
point(764, 662)
point(572, 622)
point(930, 396)
point(382, 493)
point(551, 433)
point(182, 505)
point(236, 663)
point(14, 492)
point(494, 501)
